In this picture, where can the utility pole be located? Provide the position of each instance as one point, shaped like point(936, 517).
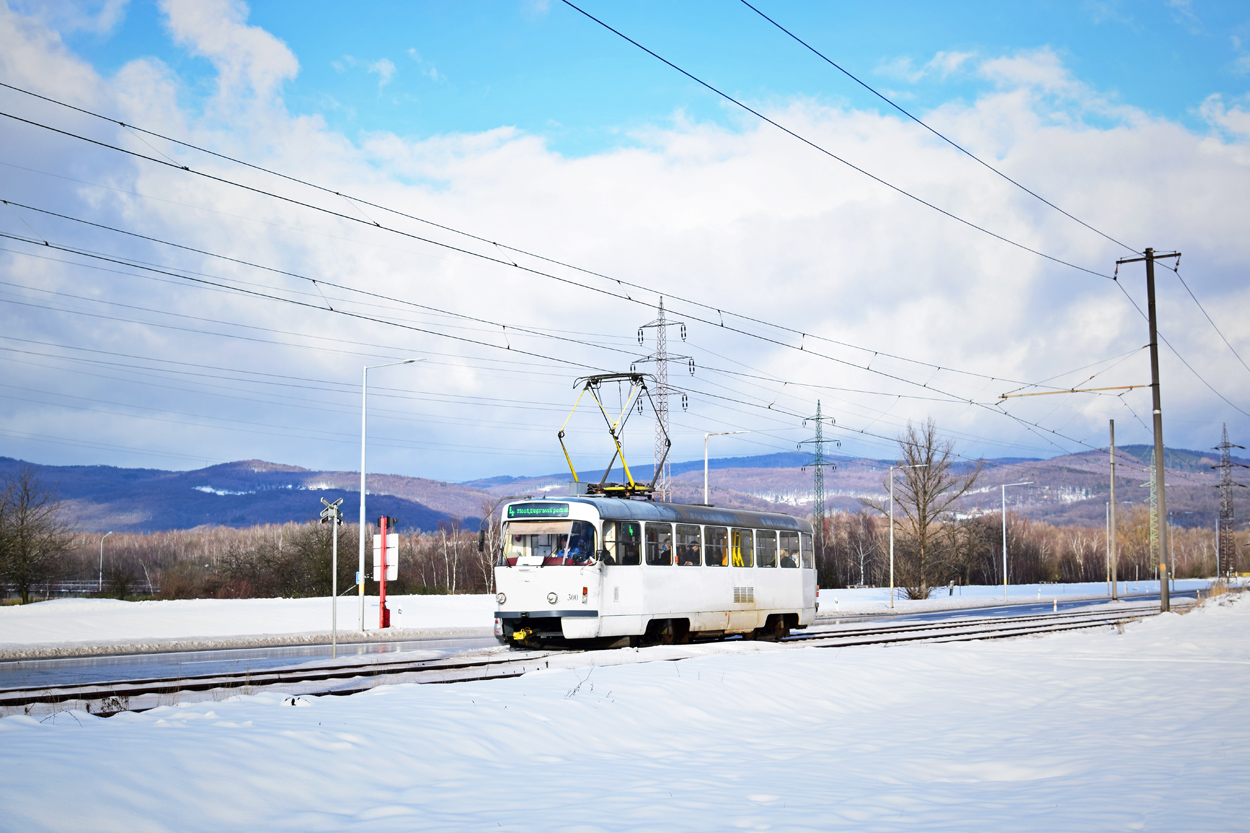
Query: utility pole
point(1004, 492)
point(818, 480)
point(333, 515)
point(1111, 535)
point(663, 468)
point(1161, 509)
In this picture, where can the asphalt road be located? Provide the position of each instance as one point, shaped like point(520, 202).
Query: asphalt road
point(78, 671)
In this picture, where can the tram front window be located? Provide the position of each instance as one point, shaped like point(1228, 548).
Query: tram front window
point(548, 544)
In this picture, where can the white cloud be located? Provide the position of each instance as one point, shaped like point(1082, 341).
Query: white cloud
point(741, 218)
point(941, 65)
point(384, 69)
point(427, 69)
point(247, 58)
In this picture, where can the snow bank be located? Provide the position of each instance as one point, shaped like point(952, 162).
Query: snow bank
point(1101, 730)
point(87, 626)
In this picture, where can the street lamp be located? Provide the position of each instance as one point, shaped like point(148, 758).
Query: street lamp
point(364, 393)
point(705, 436)
point(100, 586)
point(892, 468)
point(1004, 488)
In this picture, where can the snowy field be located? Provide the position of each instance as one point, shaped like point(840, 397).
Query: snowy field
point(1144, 729)
point(85, 626)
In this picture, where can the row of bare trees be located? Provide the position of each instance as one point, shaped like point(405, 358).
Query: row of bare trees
point(970, 551)
point(932, 548)
point(289, 561)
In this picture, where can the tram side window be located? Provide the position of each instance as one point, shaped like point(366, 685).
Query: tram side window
point(621, 542)
point(807, 550)
point(714, 549)
point(659, 544)
point(765, 548)
point(689, 545)
point(741, 548)
point(789, 549)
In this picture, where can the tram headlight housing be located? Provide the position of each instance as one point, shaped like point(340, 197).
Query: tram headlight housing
point(552, 598)
point(500, 598)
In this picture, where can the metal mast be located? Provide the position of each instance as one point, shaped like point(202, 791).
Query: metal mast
point(1226, 542)
point(661, 358)
point(818, 479)
point(1154, 516)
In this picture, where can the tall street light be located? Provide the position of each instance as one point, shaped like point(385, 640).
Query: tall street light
point(705, 436)
point(100, 586)
point(892, 468)
point(364, 395)
point(1004, 488)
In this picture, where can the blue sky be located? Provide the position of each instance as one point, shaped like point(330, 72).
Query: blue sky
point(528, 124)
point(428, 68)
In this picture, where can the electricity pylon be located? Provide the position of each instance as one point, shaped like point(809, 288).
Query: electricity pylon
point(818, 478)
point(1226, 541)
point(662, 390)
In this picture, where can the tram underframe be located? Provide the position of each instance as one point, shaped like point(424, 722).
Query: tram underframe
point(547, 632)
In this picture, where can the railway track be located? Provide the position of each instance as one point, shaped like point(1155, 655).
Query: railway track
point(960, 630)
point(345, 677)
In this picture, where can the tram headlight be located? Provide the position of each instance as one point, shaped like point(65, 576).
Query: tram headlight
point(500, 598)
point(552, 598)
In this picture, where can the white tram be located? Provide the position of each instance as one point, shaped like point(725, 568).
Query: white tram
point(577, 569)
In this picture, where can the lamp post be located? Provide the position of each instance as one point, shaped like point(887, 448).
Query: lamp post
point(705, 436)
point(364, 395)
point(1004, 488)
point(100, 586)
point(892, 468)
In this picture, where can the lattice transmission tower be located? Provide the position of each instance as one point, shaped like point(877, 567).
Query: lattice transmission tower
point(661, 358)
point(1226, 541)
point(818, 464)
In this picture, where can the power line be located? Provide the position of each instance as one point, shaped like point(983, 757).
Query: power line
point(536, 272)
point(720, 311)
point(949, 141)
point(1176, 353)
point(833, 155)
point(1177, 269)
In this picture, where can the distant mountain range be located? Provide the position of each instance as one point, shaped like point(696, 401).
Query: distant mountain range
point(1071, 489)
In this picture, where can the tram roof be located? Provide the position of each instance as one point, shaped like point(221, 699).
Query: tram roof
point(622, 509)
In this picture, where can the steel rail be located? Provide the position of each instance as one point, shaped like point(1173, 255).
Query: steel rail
point(869, 628)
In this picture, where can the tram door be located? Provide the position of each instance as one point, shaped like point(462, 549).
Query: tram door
point(741, 568)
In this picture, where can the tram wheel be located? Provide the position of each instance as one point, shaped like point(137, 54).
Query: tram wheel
point(776, 629)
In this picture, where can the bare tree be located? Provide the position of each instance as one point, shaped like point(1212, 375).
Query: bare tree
point(34, 534)
point(927, 487)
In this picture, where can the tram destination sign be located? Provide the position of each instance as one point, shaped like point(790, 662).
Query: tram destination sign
point(520, 511)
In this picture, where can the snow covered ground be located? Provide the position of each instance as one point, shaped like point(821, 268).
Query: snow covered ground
point(85, 626)
point(1143, 729)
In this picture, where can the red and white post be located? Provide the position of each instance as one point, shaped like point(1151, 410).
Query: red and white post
point(384, 615)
